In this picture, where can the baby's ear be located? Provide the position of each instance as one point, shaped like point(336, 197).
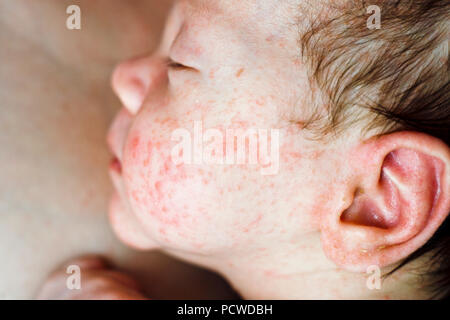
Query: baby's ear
point(398, 198)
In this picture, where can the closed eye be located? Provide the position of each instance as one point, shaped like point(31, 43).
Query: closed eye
point(175, 65)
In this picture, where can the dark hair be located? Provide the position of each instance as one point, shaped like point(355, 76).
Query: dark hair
point(396, 76)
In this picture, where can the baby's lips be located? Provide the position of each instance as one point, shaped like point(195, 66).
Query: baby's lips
point(116, 178)
point(118, 132)
point(116, 166)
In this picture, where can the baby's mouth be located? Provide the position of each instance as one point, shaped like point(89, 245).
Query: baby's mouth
point(116, 138)
point(116, 165)
point(115, 173)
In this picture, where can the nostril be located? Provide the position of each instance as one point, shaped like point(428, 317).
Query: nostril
point(133, 79)
point(129, 86)
point(132, 94)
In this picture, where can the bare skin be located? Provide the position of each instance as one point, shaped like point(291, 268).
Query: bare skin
point(56, 106)
point(333, 208)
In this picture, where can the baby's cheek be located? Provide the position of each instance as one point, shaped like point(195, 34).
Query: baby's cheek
point(173, 201)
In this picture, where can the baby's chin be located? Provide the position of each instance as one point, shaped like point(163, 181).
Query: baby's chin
point(126, 227)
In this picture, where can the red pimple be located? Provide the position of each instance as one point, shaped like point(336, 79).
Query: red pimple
point(253, 223)
point(158, 187)
point(166, 167)
point(211, 73)
point(134, 145)
point(296, 155)
point(135, 195)
point(199, 245)
point(260, 102)
point(149, 154)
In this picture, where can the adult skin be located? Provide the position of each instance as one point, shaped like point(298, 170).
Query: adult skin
point(57, 105)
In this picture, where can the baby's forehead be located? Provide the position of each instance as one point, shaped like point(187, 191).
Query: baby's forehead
point(239, 8)
point(277, 17)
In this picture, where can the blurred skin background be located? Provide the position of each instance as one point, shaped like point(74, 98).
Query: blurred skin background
point(56, 105)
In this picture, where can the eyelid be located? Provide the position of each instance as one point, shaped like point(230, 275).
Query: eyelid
point(175, 65)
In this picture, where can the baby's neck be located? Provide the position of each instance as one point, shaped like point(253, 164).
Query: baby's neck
point(305, 276)
point(256, 283)
point(323, 281)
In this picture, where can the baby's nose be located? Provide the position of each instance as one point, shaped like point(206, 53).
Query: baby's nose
point(133, 79)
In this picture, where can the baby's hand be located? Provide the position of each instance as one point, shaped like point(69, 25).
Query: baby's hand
point(97, 280)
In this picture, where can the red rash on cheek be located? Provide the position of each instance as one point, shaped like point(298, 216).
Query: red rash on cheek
point(134, 146)
point(149, 154)
point(157, 186)
point(291, 153)
point(253, 224)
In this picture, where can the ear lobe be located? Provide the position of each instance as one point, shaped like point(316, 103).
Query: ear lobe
point(394, 211)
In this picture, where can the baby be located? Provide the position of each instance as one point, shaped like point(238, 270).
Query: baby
point(288, 146)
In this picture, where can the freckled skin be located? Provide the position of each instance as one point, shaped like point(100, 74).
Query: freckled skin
point(230, 218)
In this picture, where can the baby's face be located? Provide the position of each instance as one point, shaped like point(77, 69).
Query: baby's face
point(233, 65)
